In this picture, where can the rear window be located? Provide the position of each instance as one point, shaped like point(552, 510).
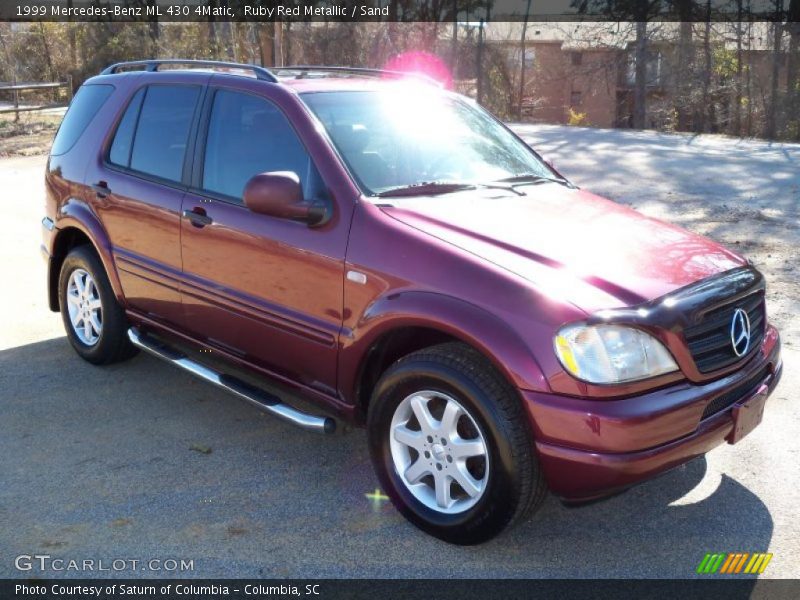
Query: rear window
point(152, 136)
point(84, 107)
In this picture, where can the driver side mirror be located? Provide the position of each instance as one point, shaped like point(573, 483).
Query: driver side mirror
point(279, 194)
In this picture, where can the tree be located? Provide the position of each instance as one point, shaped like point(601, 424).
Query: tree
point(793, 70)
point(707, 107)
point(522, 61)
point(641, 12)
point(684, 70)
point(737, 100)
point(640, 74)
point(771, 121)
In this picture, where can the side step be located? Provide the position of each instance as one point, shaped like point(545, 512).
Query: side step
point(257, 397)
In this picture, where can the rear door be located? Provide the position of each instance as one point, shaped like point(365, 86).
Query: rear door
point(265, 289)
point(140, 184)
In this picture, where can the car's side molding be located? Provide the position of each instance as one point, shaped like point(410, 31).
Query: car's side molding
point(451, 316)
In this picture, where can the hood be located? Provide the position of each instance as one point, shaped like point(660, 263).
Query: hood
point(572, 244)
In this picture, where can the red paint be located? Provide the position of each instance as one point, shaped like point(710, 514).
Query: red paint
point(498, 272)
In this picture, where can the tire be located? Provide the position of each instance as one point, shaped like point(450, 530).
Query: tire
point(111, 343)
point(506, 480)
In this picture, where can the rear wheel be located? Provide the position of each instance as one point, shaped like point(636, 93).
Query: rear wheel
point(451, 446)
point(94, 321)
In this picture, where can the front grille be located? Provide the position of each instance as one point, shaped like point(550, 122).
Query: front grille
point(727, 399)
point(710, 340)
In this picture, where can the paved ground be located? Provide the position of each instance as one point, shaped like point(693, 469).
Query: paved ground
point(98, 462)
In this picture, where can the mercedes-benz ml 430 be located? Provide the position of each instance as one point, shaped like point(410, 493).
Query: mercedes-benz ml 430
point(371, 249)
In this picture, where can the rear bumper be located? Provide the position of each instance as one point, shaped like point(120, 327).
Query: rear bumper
point(593, 448)
point(46, 249)
point(47, 235)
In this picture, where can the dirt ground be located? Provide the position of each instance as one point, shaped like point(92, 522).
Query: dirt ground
point(104, 462)
point(32, 135)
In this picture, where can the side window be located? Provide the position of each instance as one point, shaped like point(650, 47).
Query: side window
point(153, 134)
point(248, 135)
point(120, 153)
point(84, 107)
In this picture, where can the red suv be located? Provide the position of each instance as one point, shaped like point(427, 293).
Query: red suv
point(389, 254)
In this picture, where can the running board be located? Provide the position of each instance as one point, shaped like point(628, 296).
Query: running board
point(259, 398)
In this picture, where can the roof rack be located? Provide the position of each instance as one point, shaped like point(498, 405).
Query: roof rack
point(262, 73)
point(153, 65)
point(304, 70)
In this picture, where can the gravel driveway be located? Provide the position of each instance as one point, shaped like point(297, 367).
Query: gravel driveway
point(141, 461)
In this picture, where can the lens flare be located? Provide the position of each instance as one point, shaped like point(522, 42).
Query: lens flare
point(422, 63)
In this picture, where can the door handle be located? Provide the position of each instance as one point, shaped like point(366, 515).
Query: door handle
point(101, 189)
point(198, 219)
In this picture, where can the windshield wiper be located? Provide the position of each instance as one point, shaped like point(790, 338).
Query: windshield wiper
point(530, 178)
point(426, 187)
point(443, 187)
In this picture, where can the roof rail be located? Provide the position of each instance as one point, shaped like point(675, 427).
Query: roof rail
point(153, 65)
point(304, 70)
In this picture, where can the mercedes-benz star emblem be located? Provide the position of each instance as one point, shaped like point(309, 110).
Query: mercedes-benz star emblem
point(740, 332)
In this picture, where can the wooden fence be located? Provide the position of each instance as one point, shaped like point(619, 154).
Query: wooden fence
point(17, 89)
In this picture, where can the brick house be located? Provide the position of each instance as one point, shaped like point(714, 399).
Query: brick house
point(588, 69)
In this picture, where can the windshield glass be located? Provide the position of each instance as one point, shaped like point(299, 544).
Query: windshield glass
point(416, 134)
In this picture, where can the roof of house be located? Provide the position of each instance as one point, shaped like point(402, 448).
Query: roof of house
point(597, 35)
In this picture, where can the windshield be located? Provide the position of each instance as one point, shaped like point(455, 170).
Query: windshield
point(414, 135)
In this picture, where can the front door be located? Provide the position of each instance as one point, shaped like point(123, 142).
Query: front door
point(266, 289)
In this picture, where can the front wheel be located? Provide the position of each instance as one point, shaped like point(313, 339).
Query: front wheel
point(451, 446)
point(94, 321)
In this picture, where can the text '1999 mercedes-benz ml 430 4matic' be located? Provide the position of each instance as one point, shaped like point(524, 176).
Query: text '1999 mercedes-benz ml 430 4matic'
point(387, 253)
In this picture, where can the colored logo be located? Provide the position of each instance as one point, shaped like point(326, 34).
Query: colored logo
point(734, 563)
point(740, 332)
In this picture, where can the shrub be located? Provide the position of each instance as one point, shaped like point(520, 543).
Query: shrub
point(577, 119)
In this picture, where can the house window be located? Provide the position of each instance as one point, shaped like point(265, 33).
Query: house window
point(515, 55)
point(575, 99)
point(530, 57)
point(654, 70)
point(577, 59)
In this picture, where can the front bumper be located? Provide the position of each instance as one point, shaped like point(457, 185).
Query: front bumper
point(592, 448)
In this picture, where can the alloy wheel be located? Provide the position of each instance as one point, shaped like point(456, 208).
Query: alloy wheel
point(439, 452)
point(85, 307)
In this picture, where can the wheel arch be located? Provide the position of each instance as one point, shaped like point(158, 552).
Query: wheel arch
point(389, 347)
point(402, 323)
point(79, 226)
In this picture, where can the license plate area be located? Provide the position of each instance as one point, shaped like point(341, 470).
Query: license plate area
point(748, 414)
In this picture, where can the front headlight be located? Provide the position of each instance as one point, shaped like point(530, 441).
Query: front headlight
point(611, 353)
